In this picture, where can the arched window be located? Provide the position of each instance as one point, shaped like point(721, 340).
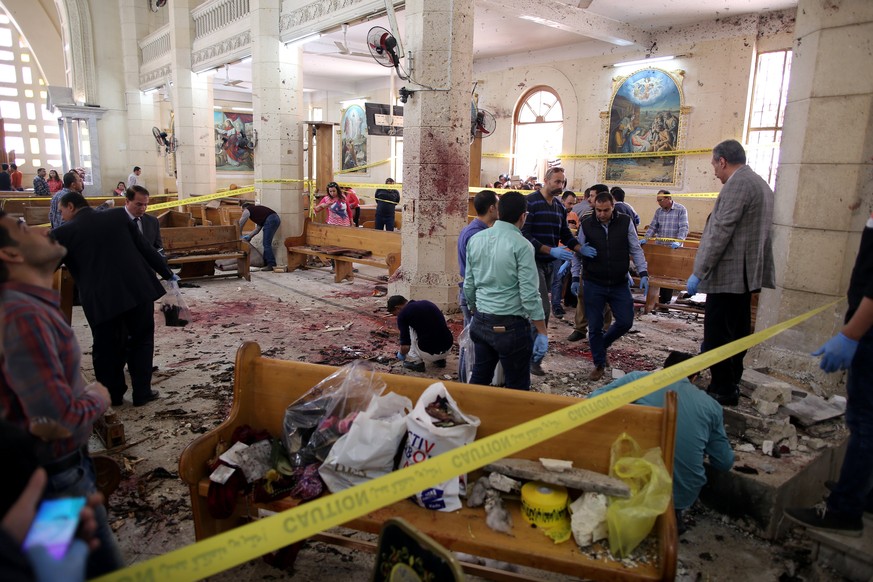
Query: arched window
point(539, 132)
point(31, 130)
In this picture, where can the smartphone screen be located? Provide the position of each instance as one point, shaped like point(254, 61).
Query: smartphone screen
point(55, 525)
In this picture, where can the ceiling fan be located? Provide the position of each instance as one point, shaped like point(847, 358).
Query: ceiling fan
point(228, 82)
point(343, 47)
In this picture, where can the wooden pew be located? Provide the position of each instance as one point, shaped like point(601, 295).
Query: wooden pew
point(668, 268)
point(175, 219)
point(328, 242)
point(35, 215)
point(264, 387)
point(197, 248)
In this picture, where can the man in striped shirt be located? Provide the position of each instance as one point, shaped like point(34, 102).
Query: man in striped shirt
point(546, 227)
point(670, 221)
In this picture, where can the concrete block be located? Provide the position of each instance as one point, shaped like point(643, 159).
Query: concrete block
point(757, 501)
point(588, 518)
point(765, 407)
point(776, 392)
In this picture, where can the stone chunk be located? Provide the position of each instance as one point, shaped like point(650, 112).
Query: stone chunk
point(779, 393)
point(574, 478)
point(556, 465)
point(503, 483)
point(754, 380)
point(765, 407)
point(588, 518)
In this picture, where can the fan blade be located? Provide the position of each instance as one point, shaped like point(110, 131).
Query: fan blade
point(342, 48)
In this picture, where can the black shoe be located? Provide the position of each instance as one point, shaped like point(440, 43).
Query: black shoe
point(536, 369)
point(559, 312)
point(154, 395)
point(116, 402)
point(440, 363)
point(576, 336)
point(596, 374)
point(414, 366)
point(731, 398)
point(825, 520)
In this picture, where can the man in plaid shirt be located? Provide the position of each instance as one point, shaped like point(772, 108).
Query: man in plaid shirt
point(41, 386)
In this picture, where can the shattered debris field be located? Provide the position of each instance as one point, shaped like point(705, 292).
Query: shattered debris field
point(305, 316)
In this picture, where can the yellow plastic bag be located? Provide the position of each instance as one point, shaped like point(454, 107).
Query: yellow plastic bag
point(630, 520)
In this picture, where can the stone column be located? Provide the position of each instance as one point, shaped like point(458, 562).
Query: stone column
point(436, 148)
point(277, 100)
point(192, 104)
point(824, 172)
point(142, 113)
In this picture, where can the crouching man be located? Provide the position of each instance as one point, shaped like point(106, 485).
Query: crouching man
point(699, 433)
point(424, 335)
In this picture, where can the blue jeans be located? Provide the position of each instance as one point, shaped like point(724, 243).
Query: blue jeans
point(385, 222)
point(596, 297)
point(80, 481)
point(468, 317)
point(271, 225)
point(557, 285)
point(854, 491)
point(546, 270)
point(505, 339)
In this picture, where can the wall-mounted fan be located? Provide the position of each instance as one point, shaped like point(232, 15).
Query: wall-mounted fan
point(155, 4)
point(383, 48)
point(482, 123)
point(164, 140)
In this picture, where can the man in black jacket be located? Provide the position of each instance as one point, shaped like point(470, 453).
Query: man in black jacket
point(136, 205)
point(114, 268)
point(608, 240)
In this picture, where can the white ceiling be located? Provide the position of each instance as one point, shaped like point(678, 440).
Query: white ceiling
point(503, 28)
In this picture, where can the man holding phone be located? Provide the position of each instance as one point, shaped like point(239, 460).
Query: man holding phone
point(40, 379)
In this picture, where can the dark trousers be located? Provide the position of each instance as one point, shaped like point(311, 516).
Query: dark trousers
point(505, 339)
point(77, 481)
point(385, 221)
point(727, 317)
point(546, 271)
point(126, 338)
point(596, 298)
point(665, 295)
point(854, 491)
point(357, 216)
point(271, 225)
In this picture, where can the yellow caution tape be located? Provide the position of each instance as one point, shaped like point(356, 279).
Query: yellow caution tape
point(364, 167)
point(372, 185)
point(235, 547)
point(204, 198)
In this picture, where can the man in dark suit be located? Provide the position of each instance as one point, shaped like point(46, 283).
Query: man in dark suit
point(735, 259)
point(136, 206)
point(114, 267)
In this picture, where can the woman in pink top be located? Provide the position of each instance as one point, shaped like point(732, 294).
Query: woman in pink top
point(354, 204)
point(338, 211)
point(54, 181)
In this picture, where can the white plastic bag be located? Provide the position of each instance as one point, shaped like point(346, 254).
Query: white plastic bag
point(173, 306)
point(467, 358)
point(367, 451)
point(429, 435)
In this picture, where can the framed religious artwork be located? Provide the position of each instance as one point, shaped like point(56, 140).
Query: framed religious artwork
point(353, 139)
point(644, 117)
point(233, 149)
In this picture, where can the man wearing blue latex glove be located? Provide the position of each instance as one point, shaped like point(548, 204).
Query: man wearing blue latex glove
point(735, 260)
point(675, 244)
point(546, 228)
point(852, 348)
point(604, 275)
point(401, 356)
point(119, 308)
point(691, 284)
point(644, 285)
point(502, 289)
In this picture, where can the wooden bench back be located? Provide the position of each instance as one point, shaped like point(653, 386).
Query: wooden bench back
point(264, 387)
point(36, 214)
point(175, 219)
point(669, 263)
point(381, 243)
point(199, 237)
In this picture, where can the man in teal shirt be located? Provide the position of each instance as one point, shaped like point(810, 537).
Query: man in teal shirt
point(699, 432)
point(501, 284)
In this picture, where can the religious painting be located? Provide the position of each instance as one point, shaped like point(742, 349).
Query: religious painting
point(233, 148)
point(353, 138)
point(644, 117)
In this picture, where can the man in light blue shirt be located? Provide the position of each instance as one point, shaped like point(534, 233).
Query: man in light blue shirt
point(501, 285)
point(699, 432)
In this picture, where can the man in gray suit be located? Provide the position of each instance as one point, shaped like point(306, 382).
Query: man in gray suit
point(735, 259)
